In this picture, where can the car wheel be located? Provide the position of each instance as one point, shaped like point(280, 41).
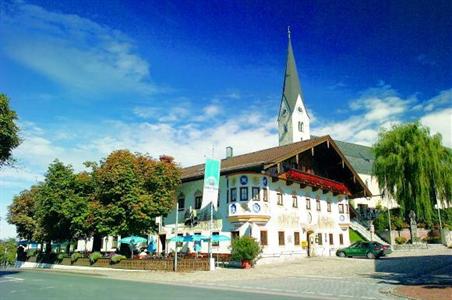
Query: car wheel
point(341, 254)
point(370, 255)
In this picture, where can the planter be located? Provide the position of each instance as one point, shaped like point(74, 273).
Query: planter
point(246, 264)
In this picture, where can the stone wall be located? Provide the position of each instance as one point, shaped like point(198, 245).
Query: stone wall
point(183, 264)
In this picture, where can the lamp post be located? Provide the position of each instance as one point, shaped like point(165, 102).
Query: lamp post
point(177, 221)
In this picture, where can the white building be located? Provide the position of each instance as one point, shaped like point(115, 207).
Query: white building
point(293, 199)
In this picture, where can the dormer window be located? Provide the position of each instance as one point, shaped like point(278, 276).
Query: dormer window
point(300, 109)
point(285, 128)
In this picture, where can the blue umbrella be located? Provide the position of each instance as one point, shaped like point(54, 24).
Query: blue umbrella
point(219, 238)
point(177, 238)
point(151, 246)
point(133, 240)
point(195, 238)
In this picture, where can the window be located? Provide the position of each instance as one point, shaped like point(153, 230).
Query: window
point(234, 235)
point(341, 238)
point(198, 202)
point(331, 239)
point(255, 195)
point(114, 242)
point(181, 202)
point(300, 126)
point(319, 239)
point(280, 198)
point(179, 244)
point(346, 209)
point(341, 208)
point(233, 194)
point(281, 238)
point(318, 205)
point(264, 240)
point(296, 238)
point(328, 206)
point(227, 196)
point(243, 194)
point(308, 203)
point(216, 243)
point(265, 195)
point(294, 201)
point(218, 198)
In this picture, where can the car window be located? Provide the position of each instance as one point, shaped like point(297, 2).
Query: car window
point(355, 245)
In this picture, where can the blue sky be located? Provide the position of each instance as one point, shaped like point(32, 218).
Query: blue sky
point(89, 77)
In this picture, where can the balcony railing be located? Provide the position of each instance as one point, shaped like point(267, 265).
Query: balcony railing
point(249, 211)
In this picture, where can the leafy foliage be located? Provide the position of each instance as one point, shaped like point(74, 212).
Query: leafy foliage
point(93, 257)
point(414, 168)
point(75, 256)
point(9, 131)
point(22, 213)
point(131, 190)
point(7, 251)
point(400, 240)
point(245, 248)
point(117, 258)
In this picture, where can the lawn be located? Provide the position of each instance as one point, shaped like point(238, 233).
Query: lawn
point(355, 236)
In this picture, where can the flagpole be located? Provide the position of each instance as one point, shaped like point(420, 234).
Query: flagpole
point(210, 223)
point(177, 221)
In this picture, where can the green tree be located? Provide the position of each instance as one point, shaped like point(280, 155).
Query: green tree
point(62, 206)
point(7, 252)
point(9, 138)
point(21, 213)
point(131, 190)
point(414, 168)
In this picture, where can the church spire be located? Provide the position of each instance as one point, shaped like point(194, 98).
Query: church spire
point(293, 119)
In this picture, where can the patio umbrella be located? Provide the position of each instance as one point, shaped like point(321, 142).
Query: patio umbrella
point(151, 245)
point(132, 241)
point(177, 238)
point(219, 238)
point(195, 238)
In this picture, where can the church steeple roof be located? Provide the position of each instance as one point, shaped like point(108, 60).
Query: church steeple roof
point(291, 86)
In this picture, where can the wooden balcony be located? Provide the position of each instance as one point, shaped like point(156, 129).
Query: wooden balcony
point(249, 211)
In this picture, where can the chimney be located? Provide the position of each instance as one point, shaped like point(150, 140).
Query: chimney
point(229, 152)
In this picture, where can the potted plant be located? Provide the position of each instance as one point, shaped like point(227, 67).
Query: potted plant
point(245, 249)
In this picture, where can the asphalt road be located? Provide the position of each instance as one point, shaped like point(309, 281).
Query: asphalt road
point(57, 285)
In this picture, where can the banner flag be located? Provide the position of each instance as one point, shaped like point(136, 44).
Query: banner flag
point(211, 182)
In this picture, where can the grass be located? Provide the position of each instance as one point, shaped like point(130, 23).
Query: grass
point(355, 236)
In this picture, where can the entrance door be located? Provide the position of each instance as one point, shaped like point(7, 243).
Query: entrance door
point(310, 237)
point(162, 238)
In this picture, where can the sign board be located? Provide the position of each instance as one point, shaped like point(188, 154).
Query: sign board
point(211, 182)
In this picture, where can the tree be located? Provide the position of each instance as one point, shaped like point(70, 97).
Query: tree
point(7, 252)
point(414, 168)
point(131, 190)
point(21, 213)
point(61, 208)
point(9, 138)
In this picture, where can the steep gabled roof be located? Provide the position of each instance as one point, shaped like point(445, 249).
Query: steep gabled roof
point(361, 157)
point(254, 159)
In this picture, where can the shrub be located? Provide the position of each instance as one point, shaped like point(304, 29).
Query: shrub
point(400, 240)
point(117, 258)
point(32, 252)
point(245, 248)
point(75, 256)
point(61, 256)
point(93, 257)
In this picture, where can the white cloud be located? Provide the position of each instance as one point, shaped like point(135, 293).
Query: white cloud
point(73, 51)
point(440, 122)
point(444, 98)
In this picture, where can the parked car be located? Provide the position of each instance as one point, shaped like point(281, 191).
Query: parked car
point(367, 249)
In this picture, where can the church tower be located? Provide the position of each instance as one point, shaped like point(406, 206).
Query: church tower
point(293, 118)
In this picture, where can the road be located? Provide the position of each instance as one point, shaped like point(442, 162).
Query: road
point(48, 285)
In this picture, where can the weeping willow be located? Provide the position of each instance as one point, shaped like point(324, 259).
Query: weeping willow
point(414, 168)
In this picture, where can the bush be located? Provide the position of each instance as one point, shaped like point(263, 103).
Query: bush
point(117, 258)
point(245, 248)
point(400, 240)
point(32, 252)
point(93, 257)
point(60, 257)
point(75, 256)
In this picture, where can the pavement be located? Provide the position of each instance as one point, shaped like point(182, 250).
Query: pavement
point(307, 278)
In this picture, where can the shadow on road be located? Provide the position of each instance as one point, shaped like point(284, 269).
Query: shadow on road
point(432, 271)
point(8, 272)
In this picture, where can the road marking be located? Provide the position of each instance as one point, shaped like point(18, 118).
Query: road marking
point(364, 297)
point(11, 279)
point(346, 296)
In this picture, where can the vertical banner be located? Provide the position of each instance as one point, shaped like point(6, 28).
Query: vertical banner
point(211, 182)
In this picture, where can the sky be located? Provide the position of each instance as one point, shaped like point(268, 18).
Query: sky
point(188, 78)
